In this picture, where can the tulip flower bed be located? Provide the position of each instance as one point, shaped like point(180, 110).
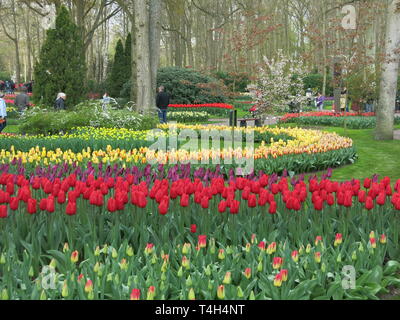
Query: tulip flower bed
point(260, 237)
point(188, 116)
point(297, 150)
point(215, 109)
point(350, 120)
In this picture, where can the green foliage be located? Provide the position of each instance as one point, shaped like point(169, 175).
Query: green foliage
point(349, 122)
point(118, 73)
point(61, 66)
point(95, 87)
point(127, 75)
point(315, 81)
point(90, 113)
point(125, 92)
point(360, 88)
point(188, 116)
point(236, 82)
point(4, 75)
point(73, 144)
point(187, 86)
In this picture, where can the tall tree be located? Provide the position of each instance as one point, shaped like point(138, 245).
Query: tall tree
point(61, 66)
point(148, 33)
point(128, 58)
point(10, 19)
point(117, 76)
point(389, 76)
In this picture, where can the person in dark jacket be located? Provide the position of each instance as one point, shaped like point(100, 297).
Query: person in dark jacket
point(22, 100)
point(162, 104)
point(60, 102)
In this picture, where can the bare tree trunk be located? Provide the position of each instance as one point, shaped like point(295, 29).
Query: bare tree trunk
point(389, 76)
point(144, 83)
point(134, 63)
point(324, 50)
point(154, 44)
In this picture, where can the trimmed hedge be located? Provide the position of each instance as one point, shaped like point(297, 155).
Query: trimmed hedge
point(349, 122)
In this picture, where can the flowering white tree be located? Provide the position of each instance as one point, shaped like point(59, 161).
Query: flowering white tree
point(279, 84)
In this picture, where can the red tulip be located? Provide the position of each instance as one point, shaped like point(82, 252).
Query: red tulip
point(202, 241)
point(50, 205)
point(277, 263)
point(71, 208)
point(330, 200)
point(193, 228)
point(10, 188)
point(318, 204)
point(43, 204)
point(142, 200)
point(367, 183)
point(14, 204)
point(32, 206)
point(135, 294)
point(369, 203)
point(222, 206)
point(184, 200)
point(362, 196)
point(112, 205)
point(252, 201)
point(381, 199)
point(3, 211)
point(61, 198)
point(261, 245)
point(48, 187)
point(4, 197)
point(163, 207)
point(272, 207)
point(234, 207)
point(204, 202)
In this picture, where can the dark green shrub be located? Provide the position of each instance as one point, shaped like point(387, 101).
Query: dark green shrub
point(61, 66)
point(187, 86)
point(315, 81)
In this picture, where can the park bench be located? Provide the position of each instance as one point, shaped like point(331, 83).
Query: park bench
point(243, 122)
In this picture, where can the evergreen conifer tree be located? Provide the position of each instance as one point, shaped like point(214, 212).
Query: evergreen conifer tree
point(61, 66)
point(128, 58)
point(117, 77)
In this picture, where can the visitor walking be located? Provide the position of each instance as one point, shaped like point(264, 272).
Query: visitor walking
point(3, 112)
point(60, 102)
point(106, 101)
point(22, 101)
point(343, 100)
point(8, 87)
point(320, 101)
point(309, 95)
point(162, 104)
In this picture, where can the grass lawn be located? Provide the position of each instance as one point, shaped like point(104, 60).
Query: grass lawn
point(380, 157)
point(11, 129)
point(374, 157)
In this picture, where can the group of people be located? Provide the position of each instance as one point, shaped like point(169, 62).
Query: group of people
point(162, 102)
point(9, 86)
point(367, 102)
point(21, 103)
